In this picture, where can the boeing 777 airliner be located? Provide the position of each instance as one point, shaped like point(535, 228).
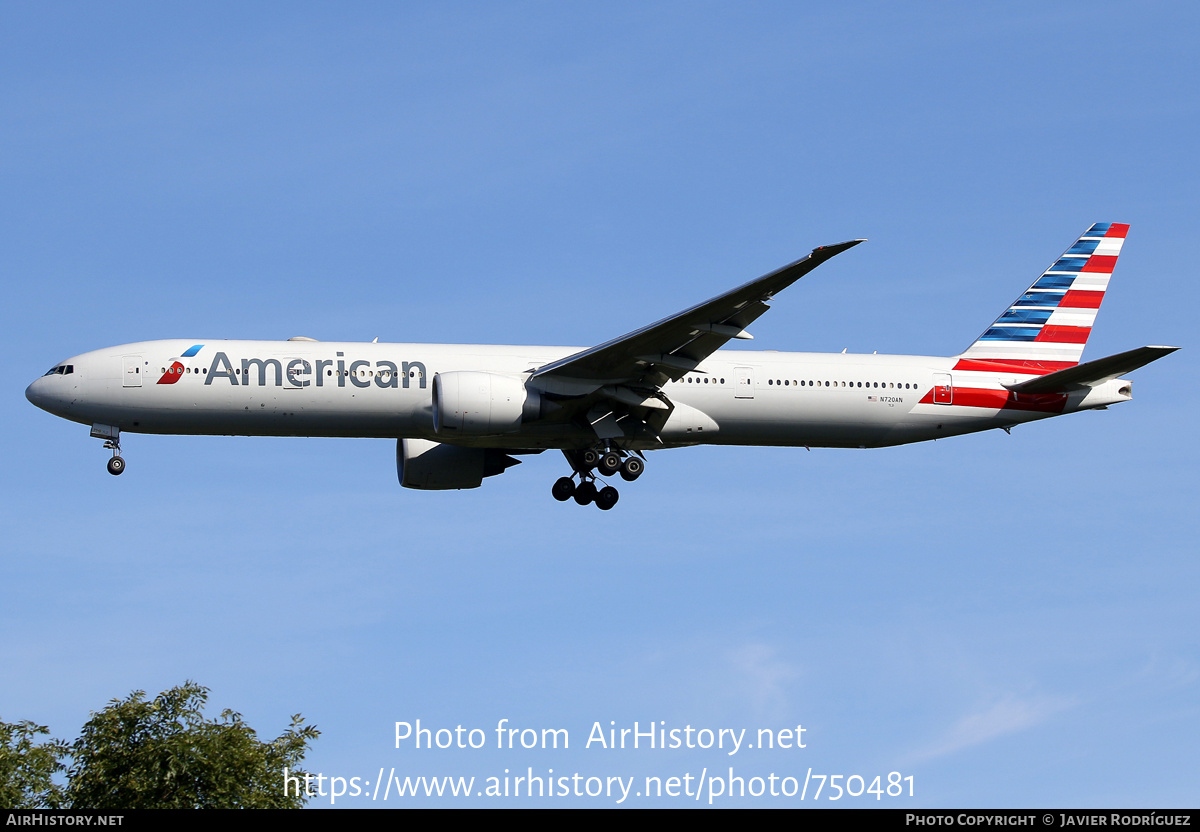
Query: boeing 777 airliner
point(460, 413)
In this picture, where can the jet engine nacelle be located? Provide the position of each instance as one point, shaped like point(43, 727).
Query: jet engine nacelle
point(432, 466)
point(482, 404)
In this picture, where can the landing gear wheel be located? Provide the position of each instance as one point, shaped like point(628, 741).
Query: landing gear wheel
point(116, 465)
point(607, 498)
point(632, 468)
point(585, 493)
point(590, 458)
point(610, 463)
point(563, 489)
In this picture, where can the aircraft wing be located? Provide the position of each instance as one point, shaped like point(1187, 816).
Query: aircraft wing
point(651, 356)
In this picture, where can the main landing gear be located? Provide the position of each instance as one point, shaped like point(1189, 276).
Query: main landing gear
point(587, 464)
point(584, 493)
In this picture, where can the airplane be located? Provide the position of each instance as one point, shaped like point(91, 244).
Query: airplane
point(463, 413)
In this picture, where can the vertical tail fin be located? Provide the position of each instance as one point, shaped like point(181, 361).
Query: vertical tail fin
point(1047, 327)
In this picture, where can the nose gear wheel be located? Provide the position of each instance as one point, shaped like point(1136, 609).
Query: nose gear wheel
point(116, 465)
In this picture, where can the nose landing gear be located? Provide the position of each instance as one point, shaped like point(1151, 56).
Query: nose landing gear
point(116, 465)
point(112, 442)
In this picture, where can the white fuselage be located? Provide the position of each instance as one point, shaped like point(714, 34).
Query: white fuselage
point(309, 388)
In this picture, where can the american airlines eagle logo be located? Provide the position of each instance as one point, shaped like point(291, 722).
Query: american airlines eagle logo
point(176, 369)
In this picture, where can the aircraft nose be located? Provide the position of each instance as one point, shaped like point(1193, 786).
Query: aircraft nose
point(36, 393)
point(42, 393)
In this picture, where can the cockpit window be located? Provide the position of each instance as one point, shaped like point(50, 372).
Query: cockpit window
point(61, 370)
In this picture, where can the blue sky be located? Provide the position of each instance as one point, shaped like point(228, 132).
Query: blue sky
point(1009, 619)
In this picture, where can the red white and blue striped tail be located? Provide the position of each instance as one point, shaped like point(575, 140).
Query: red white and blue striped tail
point(1047, 328)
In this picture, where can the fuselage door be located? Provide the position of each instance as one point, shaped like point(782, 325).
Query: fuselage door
point(943, 389)
point(744, 386)
point(132, 367)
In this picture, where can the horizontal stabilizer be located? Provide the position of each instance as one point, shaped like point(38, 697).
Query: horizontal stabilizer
point(1092, 373)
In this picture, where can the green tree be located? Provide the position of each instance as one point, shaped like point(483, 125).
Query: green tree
point(27, 768)
point(163, 754)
